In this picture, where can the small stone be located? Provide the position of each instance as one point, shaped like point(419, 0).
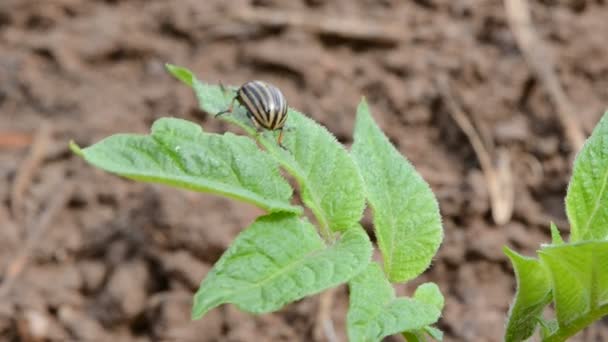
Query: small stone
point(174, 323)
point(513, 129)
point(186, 267)
point(127, 285)
point(486, 241)
point(81, 326)
point(93, 273)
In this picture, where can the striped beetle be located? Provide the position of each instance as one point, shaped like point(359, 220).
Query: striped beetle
point(266, 106)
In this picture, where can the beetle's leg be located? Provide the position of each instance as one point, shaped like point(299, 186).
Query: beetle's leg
point(258, 130)
point(228, 110)
point(280, 140)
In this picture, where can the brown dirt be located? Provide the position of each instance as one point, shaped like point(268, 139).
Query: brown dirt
point(120, 261)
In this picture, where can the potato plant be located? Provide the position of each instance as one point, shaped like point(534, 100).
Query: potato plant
point(573, 276)
point(283, 256)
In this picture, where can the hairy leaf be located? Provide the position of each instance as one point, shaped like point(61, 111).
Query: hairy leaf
point(533, 294)
point(556, 237)
point(374, 311)
point(579, 273)
point(428, 293)
point(587, 198)
point(180, 154)
point(406, 213)
point(277, 260)
point(330, 182)
point(211, 97)
point(181, 74)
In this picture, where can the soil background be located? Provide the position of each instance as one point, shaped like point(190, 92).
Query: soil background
point(92, 257)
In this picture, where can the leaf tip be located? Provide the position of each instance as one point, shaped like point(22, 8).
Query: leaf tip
point(195, 315)
point(172, 69)
point(76, 149)
point(181, 74)
point(363, 101)
point(198, 310)
point(556, 238)
point(363, 107)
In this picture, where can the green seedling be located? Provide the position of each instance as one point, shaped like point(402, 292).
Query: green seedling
point(283, 256)
point(571, 276)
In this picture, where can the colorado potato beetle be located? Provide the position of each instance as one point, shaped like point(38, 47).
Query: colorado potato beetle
point(266, 106)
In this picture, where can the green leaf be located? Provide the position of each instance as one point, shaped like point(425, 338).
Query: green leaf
point(556, 238)
point(414, 336)
point(587, 197)
point(579, 273)
point(429, 293)
point(406, 213)
point(548, 327)
point(212, 98)
point(533, 294)
point(277, 260)
point(419, 335)
point(181, 74)
point(575, 275)
point(329, 179)
point(330, 182)
point(435, 333)
point(178, 153)
point(75, 149)
point(374, 311)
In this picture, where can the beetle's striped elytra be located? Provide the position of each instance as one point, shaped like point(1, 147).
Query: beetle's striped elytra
point(266, 106)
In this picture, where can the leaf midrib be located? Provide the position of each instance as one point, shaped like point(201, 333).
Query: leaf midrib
point(213, 187)
point(597, 202)
point(389, 205)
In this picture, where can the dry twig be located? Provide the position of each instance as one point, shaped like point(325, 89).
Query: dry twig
point(16, 267)
point(518, 13)
point(324, 325)
point(9, 228)
point(498, 176)
point(26, 171)
point(348, 28)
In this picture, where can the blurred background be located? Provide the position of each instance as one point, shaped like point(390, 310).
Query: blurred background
point(488, 99)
